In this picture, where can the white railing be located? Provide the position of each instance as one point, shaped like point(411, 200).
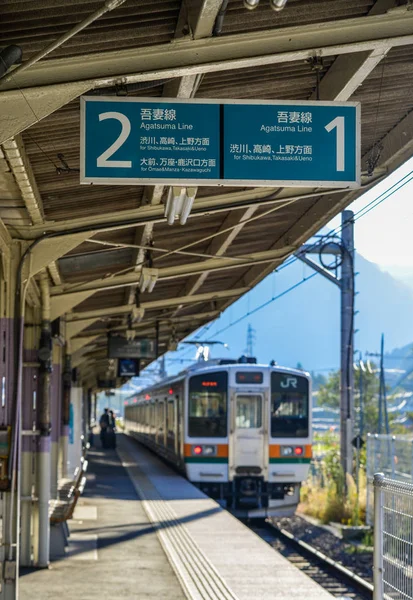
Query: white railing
point(390, 455)
point(393, 539)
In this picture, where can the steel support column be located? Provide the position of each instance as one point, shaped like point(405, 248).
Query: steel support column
point(347, 343)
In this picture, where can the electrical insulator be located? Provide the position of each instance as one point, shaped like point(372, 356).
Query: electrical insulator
point(278, 5)
point(251, 4)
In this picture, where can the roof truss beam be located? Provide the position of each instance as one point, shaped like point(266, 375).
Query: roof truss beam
point(349, 71)
point(182, 58)
point(155, 214)
point(213, 264)
point(157, 304)
point(166, 321)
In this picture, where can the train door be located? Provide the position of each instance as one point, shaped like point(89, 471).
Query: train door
point(248, 438)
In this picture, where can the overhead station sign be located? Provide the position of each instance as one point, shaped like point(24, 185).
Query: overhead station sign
point(120, 347)
point(130, 141)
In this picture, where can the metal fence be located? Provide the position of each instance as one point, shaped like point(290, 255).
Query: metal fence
point(393, 539)
point(390, 455)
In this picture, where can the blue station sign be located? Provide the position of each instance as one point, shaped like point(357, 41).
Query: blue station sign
point(135, 141)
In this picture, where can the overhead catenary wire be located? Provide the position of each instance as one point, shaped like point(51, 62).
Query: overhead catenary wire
point(358, 215)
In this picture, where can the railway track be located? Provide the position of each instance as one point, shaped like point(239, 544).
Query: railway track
point(336, 579)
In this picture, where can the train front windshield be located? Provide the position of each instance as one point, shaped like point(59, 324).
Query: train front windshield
point(207, 406)
point(289, 406)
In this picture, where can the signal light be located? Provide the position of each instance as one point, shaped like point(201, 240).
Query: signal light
point(298, 450)
point(171, 391)
point(198, 450)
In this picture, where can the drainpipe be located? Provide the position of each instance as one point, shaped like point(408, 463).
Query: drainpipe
point(44, 457)
point(67, 386)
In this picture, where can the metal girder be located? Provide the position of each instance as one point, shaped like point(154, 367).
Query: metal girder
point(19, 111)
point(59, 305)
point(51, 249)
point(157, 304)
point(396, 147)
point(213, 264)
point(201, 16)
point(183, 57)
point(316, 267)
point(164, 336)
point(182, 87)
point(81, 342)
point(5, 249)
point(219, 245)
point(153, 196)
point(75, 327)
point(327, 248)
point(79, 357)
point(20, 166)
point(382, 6)
point(350, 70)
point(347, 73)
point(155, 214)
point(21, 169)
point(146, 324)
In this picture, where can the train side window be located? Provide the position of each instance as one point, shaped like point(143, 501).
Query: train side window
point(207, 408)
point(161, 416)
point(171, 416)
point(289, 406)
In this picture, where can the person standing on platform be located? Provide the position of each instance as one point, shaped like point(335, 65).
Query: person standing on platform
point(112, 430)
point(104, 423)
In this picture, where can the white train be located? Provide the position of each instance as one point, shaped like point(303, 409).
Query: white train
point(239, 431)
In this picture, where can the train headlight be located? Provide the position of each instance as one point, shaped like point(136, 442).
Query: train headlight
point(207, 450)
point(291, 451)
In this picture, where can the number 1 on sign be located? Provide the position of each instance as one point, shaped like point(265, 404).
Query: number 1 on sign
point(338, 123)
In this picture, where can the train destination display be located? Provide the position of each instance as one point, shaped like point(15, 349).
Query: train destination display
point(127, 141)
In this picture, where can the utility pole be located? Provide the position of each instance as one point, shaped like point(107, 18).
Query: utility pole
point(383, 413)
point(343, 249)
point(382, 394)
point(250, 340)
point(347, 342)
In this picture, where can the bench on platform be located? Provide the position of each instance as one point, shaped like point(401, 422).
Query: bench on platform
point(62, 509)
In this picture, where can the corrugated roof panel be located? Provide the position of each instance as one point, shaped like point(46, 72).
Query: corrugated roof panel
point(34, 25)
point(293, 81)
point(93, 265)
point(386, 96)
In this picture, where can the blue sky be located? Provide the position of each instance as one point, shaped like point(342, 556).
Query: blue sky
point(384, 235)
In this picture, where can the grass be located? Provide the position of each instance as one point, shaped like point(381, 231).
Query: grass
point(322, 496)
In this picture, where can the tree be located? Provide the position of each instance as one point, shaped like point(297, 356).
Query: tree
point(329, 395)
point(317, 380)
point(329, 391)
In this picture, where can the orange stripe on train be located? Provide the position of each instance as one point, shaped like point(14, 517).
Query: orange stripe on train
point(222, 449)
point(275, 450)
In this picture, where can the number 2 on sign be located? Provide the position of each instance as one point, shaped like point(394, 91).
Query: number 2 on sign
point(103, 159)
point(338, 123)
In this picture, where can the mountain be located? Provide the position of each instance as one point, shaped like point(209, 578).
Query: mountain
point(303, 326)
point(402, 273)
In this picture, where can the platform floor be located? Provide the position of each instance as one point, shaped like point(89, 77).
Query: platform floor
point(141, 531)
point(114, 551)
